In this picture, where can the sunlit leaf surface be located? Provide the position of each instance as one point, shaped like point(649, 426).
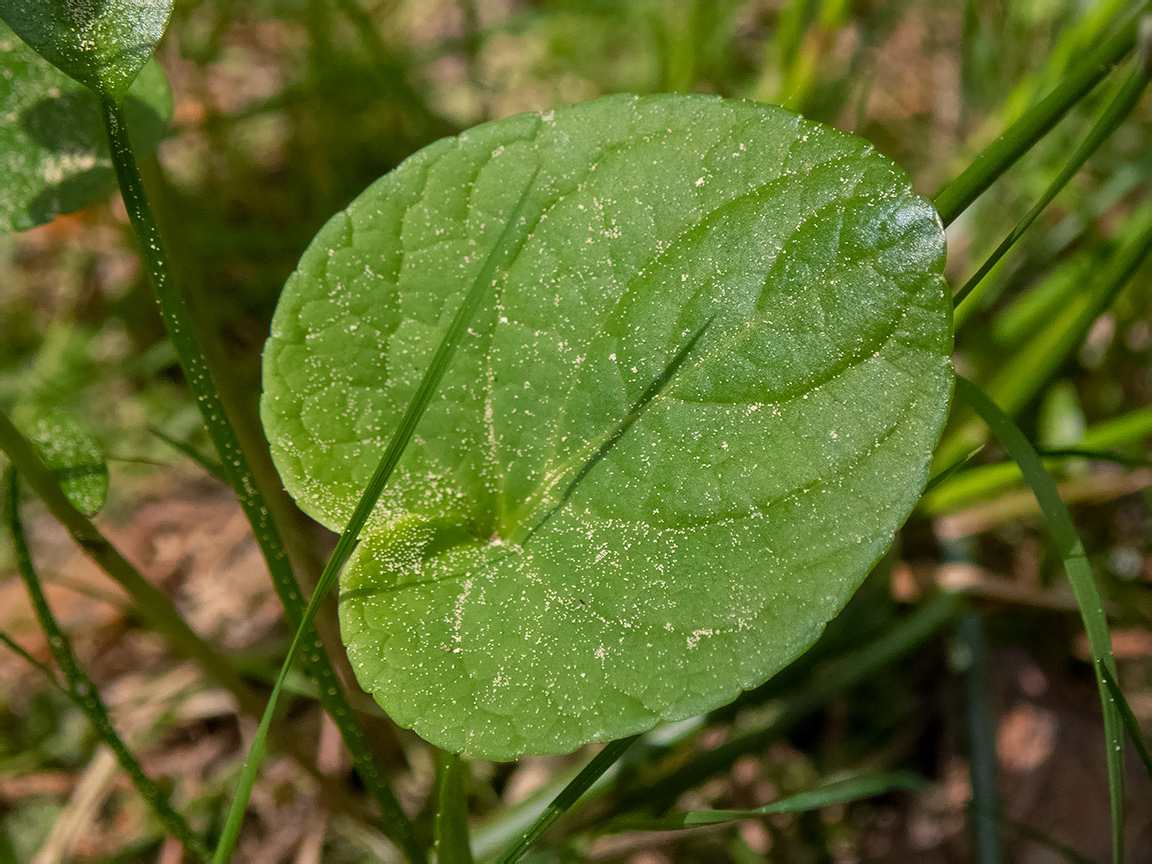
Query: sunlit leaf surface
point(53, 149)
point(700, 401)
point(103, 44)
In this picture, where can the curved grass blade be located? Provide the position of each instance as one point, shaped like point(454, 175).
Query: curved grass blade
point(985, 480)
point(1130, 721)
point(1020, 377)
point(1079, 575)
point(81, 689)
point(451, 829)
point(1111, 118)
point(842, 792)
point(510, 238)
point(660, 792)
point(571, 793)
point(955, 196)
point(179, 324)
point(185, 449)
point(154, 606)
point(17, 648)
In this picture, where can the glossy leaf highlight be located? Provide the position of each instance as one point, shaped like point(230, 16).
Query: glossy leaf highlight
point(103, 44)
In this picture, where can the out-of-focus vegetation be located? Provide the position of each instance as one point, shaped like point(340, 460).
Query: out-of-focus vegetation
point(284, 111)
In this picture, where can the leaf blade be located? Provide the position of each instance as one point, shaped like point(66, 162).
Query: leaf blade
point(819, 271)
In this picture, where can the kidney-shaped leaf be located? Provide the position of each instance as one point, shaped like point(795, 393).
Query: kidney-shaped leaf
point(53, 148)
point(103, 44)
point(700, 401)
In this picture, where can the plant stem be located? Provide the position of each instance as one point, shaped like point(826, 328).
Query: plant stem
point(179, 324)
point(451, 828)
point(981, 740)
point(153, 605)
point(81, 688)
point(955, 196)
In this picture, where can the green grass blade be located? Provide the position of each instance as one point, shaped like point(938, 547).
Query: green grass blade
point(153, 605)
point(510, 238)
point(988, 166)
point(1130, 721)
point(1068, 544)
point(1020, 377)
point(81, 688)
point(1111, 118)
point(179, 324)
point(660, 792)
point(981, 739)
point(946, 474)
point(213, 468)
point(842, 792)
point(571, 793)
point(451, 828)
point(17, 648)
point(983, 481)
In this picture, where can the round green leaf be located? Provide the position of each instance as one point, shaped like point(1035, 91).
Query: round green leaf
point(53, 148)
point(701, 399)
point(103, 44)
point(73, 454)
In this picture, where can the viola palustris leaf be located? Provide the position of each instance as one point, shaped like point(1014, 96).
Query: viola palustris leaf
point(701, 398)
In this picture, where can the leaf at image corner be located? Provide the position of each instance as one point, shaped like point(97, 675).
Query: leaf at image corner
point(103, 44)
point(54, 151)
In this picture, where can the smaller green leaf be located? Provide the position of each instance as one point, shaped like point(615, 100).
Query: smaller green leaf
point(103, 44)
point(53, 150)
point(73, 454)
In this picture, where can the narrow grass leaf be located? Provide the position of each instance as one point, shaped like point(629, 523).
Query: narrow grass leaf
point(1084, 588)
point(947, 473)
point(1130, 721)
point(81, 688)
point(984, 481)
point(17, 648)
point(179, 323)
point(991, 163)
point(841, 792)
point(153, 605)
point(510, 237)
point(840, 676)
point(212, 467)
point(1019, 378)
point(1114, 114)
point(571, 793)
point(451, 826)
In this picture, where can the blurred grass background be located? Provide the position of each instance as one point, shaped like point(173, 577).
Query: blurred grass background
point(287, 109)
